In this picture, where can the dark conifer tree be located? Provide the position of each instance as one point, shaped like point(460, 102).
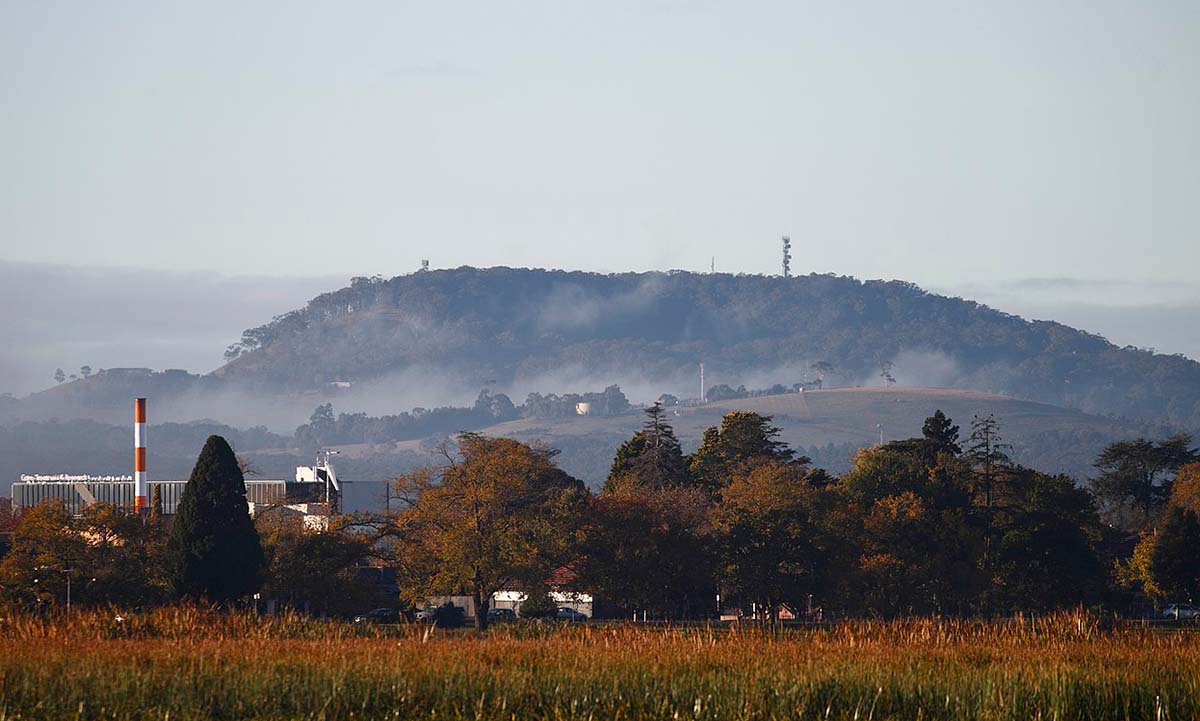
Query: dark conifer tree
point(744, 437)
point(941, 433)
point(622, 461)
point(661, 462)
point(214, 551)
point(653, 455)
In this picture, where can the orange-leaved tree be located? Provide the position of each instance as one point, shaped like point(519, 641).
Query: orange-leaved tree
point(500, 513)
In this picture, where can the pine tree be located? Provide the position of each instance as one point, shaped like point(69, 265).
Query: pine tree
point(941, 433)
point(652, 455)
point(626, 454)
point(744, 437)
point(987, 451)
point(214, 552)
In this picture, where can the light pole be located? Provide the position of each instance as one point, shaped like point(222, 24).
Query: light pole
point(327, 452)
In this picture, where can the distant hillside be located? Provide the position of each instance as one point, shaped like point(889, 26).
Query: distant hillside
point(515, 328)
point(830, 426)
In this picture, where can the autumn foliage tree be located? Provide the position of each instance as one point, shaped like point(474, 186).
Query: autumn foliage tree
point(312, 570)
point(772, 547)
point(108, 554)
point(500, 512)
point(649, 547)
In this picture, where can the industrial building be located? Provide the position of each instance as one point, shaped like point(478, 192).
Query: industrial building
point(315, 491)
point(79, 492)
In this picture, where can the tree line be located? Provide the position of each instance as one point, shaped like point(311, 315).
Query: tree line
point(941, 523)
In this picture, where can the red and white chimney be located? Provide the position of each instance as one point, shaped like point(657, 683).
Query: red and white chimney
point(139, 454)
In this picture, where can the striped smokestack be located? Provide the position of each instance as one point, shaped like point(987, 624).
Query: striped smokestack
point(139, 454)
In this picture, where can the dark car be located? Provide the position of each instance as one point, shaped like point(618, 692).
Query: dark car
point(1181, 611)
point(570, 614)
point(379, 615)
point(501, 614)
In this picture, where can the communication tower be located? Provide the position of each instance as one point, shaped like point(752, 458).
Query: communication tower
point(787, 257)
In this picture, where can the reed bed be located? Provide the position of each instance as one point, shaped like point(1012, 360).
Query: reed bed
point(187, 663)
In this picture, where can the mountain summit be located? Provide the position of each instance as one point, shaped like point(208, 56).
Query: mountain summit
point(510, 327)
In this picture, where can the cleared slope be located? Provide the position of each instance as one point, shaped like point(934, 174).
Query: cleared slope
point(830, 425)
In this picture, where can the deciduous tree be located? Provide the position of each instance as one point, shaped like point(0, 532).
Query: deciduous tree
point(1135, 476)
point(499, 513)
point(1175, 557)
point(770, 539)
point(650, 547)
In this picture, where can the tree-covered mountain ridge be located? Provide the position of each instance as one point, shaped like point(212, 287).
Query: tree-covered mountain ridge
point(508, 325)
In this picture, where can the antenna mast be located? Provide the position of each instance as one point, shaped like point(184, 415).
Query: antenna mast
point(787, 257)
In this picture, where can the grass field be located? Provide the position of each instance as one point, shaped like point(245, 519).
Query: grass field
point(182, 664)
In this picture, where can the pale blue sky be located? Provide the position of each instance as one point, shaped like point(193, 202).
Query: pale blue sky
point(967, 146)
point(940, 142)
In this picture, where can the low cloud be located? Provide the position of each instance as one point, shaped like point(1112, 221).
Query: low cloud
point(65, 317)
point(1158, 315)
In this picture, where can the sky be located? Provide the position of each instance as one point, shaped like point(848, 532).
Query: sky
point(1041, 157)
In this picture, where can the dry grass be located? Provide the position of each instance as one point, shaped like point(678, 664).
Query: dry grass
point(184, 663)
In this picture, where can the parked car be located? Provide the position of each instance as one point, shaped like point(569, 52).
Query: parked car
point(570, 614)
point(425, 614)
point(1181, 611)
point(379, 615)
point(501, 614)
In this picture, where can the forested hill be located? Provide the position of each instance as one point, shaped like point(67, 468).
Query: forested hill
point(518, 325)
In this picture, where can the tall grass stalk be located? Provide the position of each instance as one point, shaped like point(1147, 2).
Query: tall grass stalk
point(191, 663)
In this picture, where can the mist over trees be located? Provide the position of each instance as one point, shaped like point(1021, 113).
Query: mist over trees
point(509, 324)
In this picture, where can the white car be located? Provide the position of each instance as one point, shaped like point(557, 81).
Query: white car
point(1181, 611)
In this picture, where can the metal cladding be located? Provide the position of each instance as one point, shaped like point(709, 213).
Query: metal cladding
point(139, 454)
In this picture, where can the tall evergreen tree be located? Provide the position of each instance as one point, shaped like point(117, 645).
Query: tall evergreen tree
point(988, 453)
point(214, 552)
point(940, 432)
point(623, 460)
point(744, 438)
point(661, 462)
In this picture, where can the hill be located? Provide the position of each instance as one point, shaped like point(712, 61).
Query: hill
point(435, 338)
point(520, 329)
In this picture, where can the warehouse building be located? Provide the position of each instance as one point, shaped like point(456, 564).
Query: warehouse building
point(79, 492)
